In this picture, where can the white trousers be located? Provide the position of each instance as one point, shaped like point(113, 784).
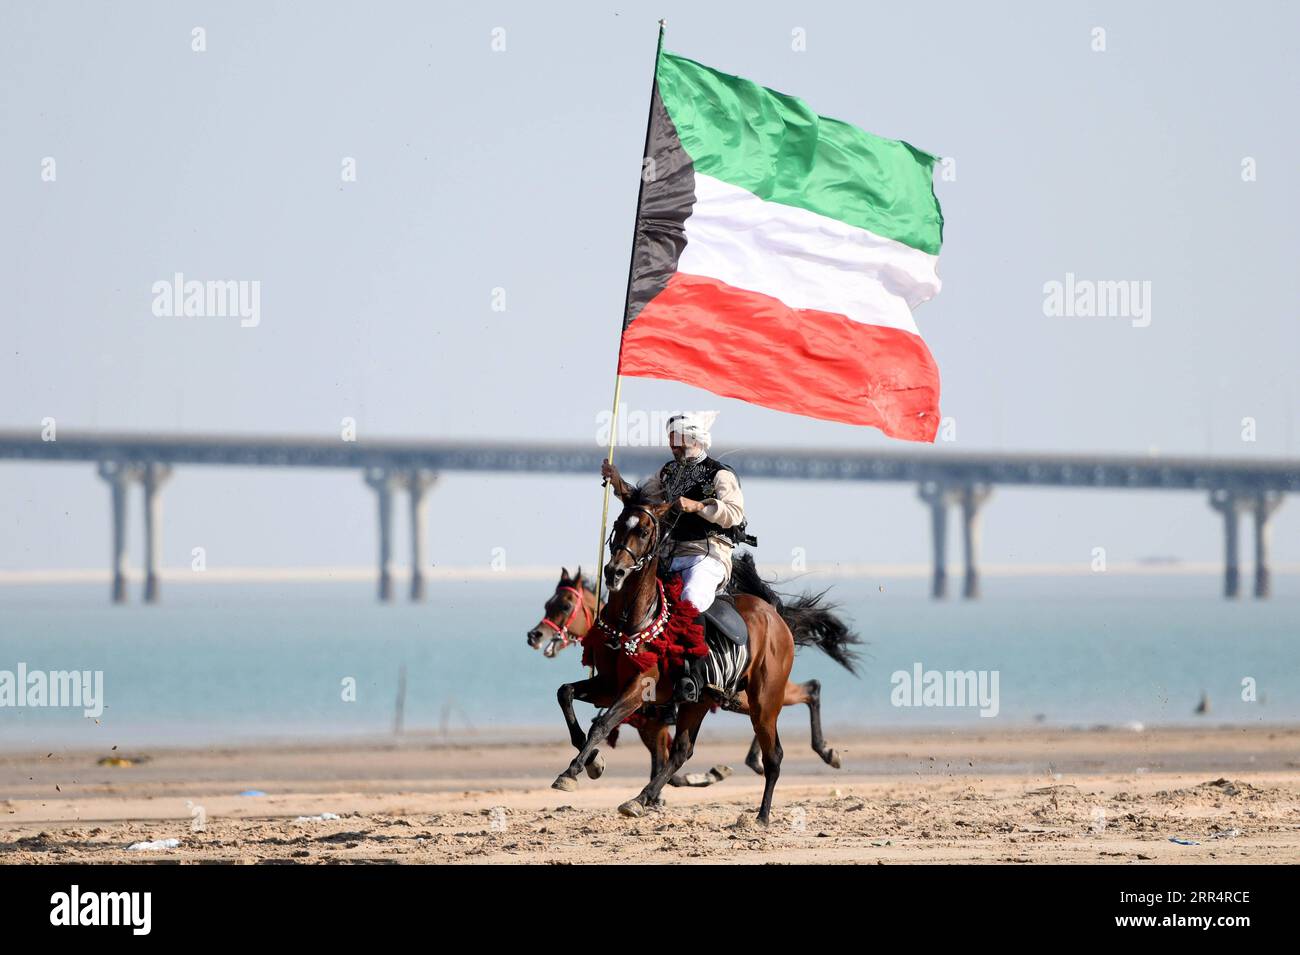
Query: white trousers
point(701, 577)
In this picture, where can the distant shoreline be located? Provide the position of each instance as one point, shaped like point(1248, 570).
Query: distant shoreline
point(845, 570)
point(135, 740)
point(1273, 743)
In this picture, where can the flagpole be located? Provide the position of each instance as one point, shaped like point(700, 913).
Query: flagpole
point(627, 299)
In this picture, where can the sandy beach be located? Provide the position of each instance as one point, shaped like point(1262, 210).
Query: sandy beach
point(1080, 796)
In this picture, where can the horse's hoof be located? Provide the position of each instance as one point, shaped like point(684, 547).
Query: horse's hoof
point(632, 809)
point(833, 759)
point(764, 821)
point(595, 765)
point(565, 784)
point(715, 775)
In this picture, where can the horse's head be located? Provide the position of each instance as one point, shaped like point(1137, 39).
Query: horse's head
point(635, 538)
point(566, 616)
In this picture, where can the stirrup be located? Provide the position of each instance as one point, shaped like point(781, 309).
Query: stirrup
point(687, 690)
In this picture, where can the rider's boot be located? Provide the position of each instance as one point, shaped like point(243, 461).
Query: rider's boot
point(692, 683)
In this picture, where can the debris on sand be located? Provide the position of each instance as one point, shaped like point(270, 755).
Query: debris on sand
point(1053, 790)
point(154, 846)
point(323, 817)
point(123, 760)
point(1228, 787)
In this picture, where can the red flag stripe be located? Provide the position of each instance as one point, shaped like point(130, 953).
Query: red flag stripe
point(746, 345)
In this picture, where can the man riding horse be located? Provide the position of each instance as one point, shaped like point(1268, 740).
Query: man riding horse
point(711, 522)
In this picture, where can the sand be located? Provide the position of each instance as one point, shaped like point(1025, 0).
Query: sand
point(1030, 796)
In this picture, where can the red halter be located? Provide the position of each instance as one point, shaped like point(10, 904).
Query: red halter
point(563, 631)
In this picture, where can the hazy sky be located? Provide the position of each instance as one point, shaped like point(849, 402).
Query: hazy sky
point(478, 170)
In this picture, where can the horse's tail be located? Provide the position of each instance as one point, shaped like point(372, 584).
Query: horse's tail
point(811, 618)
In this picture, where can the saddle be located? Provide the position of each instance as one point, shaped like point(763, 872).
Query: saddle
point(728, 659)
point(723, 618)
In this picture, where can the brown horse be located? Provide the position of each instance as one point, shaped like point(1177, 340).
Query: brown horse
point(632, 613)
point(569, 615)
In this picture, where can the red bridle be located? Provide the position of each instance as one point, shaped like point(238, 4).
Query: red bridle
point(563, 631)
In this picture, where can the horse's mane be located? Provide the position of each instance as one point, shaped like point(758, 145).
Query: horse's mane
point(645, 494)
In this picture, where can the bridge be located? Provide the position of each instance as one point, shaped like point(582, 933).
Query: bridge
point(945, 482)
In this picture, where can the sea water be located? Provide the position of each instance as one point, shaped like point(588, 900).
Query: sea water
point(220, 663)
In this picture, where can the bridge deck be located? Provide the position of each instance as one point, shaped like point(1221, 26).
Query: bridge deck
point(922, 465)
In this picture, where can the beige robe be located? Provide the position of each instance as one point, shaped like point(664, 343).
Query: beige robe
point(726, 509)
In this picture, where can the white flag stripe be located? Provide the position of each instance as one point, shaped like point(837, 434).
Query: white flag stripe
point(804, 259)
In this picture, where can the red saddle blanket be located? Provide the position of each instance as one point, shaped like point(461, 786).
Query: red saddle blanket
point(682, 638)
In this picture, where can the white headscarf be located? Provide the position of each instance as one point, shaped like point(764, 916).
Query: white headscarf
point(694, 426)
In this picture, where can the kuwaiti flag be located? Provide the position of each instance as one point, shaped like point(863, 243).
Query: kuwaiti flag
point(779, 255)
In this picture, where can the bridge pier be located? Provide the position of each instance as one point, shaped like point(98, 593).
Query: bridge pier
point(418, 482)
point(1228, 504)
point(1263, 506)
point(938, 497)
point(153, 475)
point(119, 477)
point(384, 482)
point(972, 499)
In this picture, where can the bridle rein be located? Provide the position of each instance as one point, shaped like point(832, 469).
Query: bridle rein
point(562, 632)
point(638, 563)
point(631, 642)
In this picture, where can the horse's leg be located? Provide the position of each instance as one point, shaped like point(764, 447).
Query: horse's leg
point(689, 718)
point(769, 682)
point(664, 745)
point(715, 774)
point(649, 732)
point(657, 739)
point(742, 705)
point(623, 706)
point(812, 695)
point(770, 743)
point(751, 758)
point(589, 691)
point(809, 693)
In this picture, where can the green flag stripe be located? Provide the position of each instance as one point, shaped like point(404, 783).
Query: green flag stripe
point(780, 150)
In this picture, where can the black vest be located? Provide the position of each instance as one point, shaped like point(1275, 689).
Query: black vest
point(694, 480)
